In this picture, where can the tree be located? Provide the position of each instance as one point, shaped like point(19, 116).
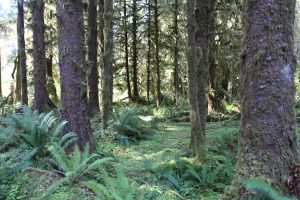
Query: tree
point(73, 68)
point(107, 76)
point(267, 142)
point(149, 27)
point(157, 58)
point(39, 58)
point(176, 53)
point(16, 75)
point(197, 141)
point(22, 51)
point(93, 79)
point(126, 50)
point(202, 14)
point(135, 50)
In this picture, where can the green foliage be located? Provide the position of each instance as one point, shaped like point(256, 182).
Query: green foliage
point(34, 130)
point(11, 163)
point(128, 125)
point(113, 188)
point(74, 166)
point(264, 191)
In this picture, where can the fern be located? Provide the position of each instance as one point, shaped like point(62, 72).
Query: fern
point(265, 189)
point(74, 166)
point(206, 178)
point(128, 124)
point(113, 188)
point(37, 131)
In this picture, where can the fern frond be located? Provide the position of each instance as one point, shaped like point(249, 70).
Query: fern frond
point(265, 189)
point(98, 163)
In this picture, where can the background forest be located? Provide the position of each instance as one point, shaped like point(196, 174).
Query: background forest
point(149, 99)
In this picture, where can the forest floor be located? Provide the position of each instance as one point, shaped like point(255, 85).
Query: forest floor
point(159, 164)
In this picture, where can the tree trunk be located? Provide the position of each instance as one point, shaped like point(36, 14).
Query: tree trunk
point(17, 77)
point(135, 51)
point(107, 88)
point(176, 54)
point(149, 53)
point(101, 47)
point(201, 38)
point(197, 142)
point(39, 58)
point(72, 68)
point(93, 79)
point(21, 52)
point(126, 51)
point(267, 142)
point(158, 81)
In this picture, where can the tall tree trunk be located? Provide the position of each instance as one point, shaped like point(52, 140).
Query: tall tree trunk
point(21, 51)
point(267, 142)
point(93, 79)
point(158, 83)
point(126, 51)
point(72, 70)
point(101, 47)
point(176, 52)
point(149, 52)
point(39, 57)
point(17, 77)
point(201, 38)
point(107, 88)
point(197, 141)
point(135, 51)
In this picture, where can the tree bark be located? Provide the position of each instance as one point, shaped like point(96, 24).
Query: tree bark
point(72, 68)
point(267, 142)
point(17, 76)
point(157, 59)
point(126, 51)
point(135, 51)
point(21, 52)
point(201, 41)
point(107, 88)
point(197, 141)
point(149, 52)
point(93, 79)
point(39, 58)
point(176, 54)
point(101, 47)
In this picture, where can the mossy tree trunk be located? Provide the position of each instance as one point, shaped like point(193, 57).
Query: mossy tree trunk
point(202, 14)
point(267, 142)
point(197, 141)
point(22, 52)
point(135, 17)
point(176, 53)
point(39, 58)
point(73, 68)
point(93, 77)
point(126, 50)
point(149, 41)
point(107, 75)
point(157, 58)
point(100, 47)
point(17, 76)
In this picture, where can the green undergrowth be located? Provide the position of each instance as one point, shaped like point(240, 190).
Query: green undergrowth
point(158, 166)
